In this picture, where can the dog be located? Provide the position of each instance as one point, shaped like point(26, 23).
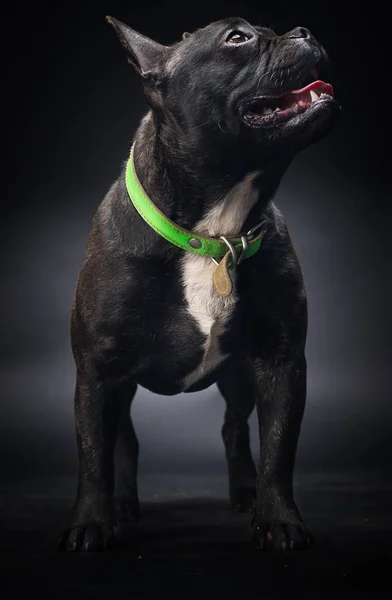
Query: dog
point(190, 277)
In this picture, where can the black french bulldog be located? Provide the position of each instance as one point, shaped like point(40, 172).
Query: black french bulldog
point(230, 106)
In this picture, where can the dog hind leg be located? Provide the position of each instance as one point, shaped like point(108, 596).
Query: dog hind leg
point(237, 389)
point(125, 459)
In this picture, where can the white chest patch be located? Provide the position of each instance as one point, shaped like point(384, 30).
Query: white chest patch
point(210, 310)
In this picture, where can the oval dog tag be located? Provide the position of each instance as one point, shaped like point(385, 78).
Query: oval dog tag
point(221, 277)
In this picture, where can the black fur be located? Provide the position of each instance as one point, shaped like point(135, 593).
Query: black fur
point(130, 325)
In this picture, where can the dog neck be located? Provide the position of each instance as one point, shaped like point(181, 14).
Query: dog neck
point(220, 191)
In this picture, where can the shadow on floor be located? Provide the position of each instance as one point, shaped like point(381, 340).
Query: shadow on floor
point(196, 548)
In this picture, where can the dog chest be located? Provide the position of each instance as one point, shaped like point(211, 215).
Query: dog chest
point(209, 311)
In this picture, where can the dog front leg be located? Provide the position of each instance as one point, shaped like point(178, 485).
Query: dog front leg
point(280, 401)
point(96, 416)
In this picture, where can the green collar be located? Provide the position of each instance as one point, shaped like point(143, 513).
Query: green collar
point(246, 244)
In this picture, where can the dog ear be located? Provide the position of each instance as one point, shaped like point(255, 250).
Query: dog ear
point(145, 55)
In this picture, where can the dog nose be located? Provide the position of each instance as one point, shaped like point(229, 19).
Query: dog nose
point(299, 32)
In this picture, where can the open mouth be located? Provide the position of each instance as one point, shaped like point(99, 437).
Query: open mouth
point(272, 111)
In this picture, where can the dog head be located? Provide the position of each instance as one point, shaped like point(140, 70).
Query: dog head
point(237, 80)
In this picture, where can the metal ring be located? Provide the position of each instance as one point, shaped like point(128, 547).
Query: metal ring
point(232, 250)
point(244, 241)
point(258, 226)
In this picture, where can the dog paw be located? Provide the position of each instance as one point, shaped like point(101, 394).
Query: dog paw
point(242, 500)
point(282, 537)
point(90, 537)
point(127, 510)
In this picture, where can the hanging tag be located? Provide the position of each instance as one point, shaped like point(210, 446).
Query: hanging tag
point(221, 277)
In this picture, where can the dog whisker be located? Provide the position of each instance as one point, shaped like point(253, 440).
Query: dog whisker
point(219, 125)
point(261, 78)
point(202, 124)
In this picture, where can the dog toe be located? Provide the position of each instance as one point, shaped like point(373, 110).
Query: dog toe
point(281, 537)
point(87, 538)
point(243, 500)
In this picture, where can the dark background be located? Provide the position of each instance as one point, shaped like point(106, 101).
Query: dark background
point(73, 106)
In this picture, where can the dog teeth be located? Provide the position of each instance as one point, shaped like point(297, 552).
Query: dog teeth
point(325, 95)
point(313, 96)
point(267, 110)
point(277, 109)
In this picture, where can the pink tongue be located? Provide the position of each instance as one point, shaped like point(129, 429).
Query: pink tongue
point(302, 97)
point(318, 86)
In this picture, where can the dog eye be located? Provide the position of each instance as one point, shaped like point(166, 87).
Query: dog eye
point(237, 37)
